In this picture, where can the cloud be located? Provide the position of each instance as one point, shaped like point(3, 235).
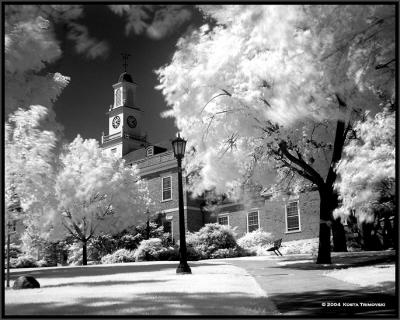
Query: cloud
point(156, 21)
point(92, 47)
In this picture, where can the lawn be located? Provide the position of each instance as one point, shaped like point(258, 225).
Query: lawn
point(148, 288)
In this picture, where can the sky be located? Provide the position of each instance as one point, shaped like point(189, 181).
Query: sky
point(82, 106)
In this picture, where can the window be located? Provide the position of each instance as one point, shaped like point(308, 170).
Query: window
point(292, 217)
point(252, 221)
point(166, 189)
point(223, 220)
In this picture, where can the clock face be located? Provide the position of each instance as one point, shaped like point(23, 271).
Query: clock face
point(118, 97)
point(132, 122)
point(116, 121)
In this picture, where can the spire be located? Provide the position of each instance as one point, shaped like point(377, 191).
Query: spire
point(125, 76)
point(125, 57)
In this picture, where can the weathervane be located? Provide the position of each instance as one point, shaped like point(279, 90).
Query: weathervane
point(125, 57)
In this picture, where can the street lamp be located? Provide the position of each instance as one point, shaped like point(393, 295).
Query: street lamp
point(178, 146)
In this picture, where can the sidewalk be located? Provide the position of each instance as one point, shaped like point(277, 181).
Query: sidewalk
point(142, 288)
point(298, 286)
point(269, 285)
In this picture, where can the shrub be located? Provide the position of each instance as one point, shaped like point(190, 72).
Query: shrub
point(226, 253)
point(25, 261)
point(55, 252)
point(171, 254)
point(13, 263)
point(15, 251)
point(153, 249)
point(130, 241)
point(254, 241)
point(119, 256)
point(191, 253)
point(43, 263)
point(211, 238)
point(75, 254)
point(101, 245)
point(304, 246)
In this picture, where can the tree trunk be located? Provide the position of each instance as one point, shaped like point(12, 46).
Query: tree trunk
point(148, 229)
point(339, 236)
point(84, 253)
point(324, 249)
point(338, 232)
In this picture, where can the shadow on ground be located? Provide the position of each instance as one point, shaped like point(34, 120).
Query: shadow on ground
point(163, 303)
point(339, 302)
point(101, 283)
point(98, 270)
point(339, 262)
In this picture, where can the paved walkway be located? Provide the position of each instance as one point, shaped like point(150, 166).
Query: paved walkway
point(297, 286)
point(288, 285)
point(140, 288)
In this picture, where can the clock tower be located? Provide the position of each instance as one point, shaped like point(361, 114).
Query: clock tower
point(125, 128)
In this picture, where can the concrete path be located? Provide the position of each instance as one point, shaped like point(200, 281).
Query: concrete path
point(297, 286)
point(140, 288)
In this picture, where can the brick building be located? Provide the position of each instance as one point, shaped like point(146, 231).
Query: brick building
point(287, 217)
point(290, 217)
point(156, 162)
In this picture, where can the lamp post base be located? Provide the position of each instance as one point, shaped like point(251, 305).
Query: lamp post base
point(183, 268)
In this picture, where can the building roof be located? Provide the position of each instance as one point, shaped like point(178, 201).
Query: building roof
point(163, 144)
point(135, 155)
point(125, 76)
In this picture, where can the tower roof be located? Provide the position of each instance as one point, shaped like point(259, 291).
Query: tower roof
point(125, 76)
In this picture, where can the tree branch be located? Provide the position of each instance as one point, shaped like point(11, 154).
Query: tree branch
point(384, 65)
point(312, 175)
point(225, 93)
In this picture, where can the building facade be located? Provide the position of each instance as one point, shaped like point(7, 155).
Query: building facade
point(156, 162)
point(286, 217)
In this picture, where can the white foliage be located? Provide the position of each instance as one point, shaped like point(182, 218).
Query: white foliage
point(29, 158)
point(98, 189)
point(267, 64)
point(369, 161)
point(157, 21)
point(30, 45)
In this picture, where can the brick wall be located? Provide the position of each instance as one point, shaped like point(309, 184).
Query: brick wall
point(193, 215)
point(272, 216)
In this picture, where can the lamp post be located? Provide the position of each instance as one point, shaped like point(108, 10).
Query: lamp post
point(178, 146)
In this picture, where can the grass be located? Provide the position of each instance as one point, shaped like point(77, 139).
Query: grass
point(148, 288)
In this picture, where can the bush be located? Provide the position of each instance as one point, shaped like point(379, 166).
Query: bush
point(304, 246)
point(211, 238)
point(119, 256)
point(15, 251)
point(226, 253)
point(25, 261)
point(153, 249)
point(75, 254)
point(43, 263)
point(254, 241)
point(130, 241)
point(101, 245)
point(13, 263)
point(171, 254)
point(55, 252)
point(191, 253)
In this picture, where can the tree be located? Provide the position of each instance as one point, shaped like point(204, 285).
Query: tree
point(363, 189)
point(277, 89)
point(29, 173)
point(95, 193)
